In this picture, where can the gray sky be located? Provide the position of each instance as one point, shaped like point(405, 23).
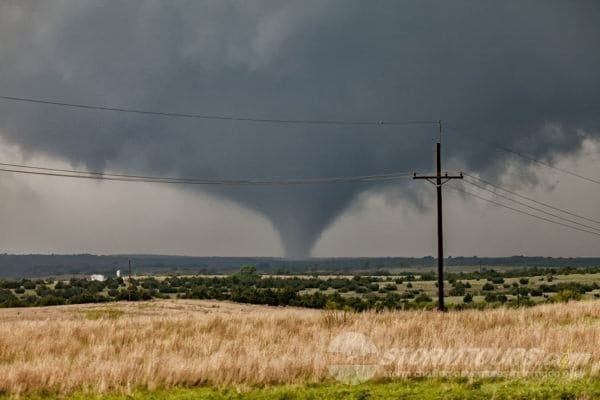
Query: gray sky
point(520, 74)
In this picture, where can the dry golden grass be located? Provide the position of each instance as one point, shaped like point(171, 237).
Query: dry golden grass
point(176, 342)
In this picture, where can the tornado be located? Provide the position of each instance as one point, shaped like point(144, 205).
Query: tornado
point(522, 76)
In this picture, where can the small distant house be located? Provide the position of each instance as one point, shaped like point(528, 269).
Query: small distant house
point(97, 277)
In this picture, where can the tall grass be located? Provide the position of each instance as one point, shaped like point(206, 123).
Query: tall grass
point(168, 343)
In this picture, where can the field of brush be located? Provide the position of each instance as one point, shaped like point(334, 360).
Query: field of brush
point(207, 349)
point(464, 289)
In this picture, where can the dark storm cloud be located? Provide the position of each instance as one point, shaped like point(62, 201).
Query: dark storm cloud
point(524, 74)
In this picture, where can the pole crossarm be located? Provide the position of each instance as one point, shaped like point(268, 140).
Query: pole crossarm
point(433, 178)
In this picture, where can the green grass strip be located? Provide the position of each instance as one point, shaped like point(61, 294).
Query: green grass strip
point(421, 389)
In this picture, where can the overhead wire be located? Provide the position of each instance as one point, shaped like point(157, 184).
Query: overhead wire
point(545, 164)
point(527, 156)
point(460, 190)
point(95, 175)
point(216, 117)
point(532, 207)
point(487, 182)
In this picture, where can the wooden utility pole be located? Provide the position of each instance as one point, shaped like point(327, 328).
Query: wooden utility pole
point(438, 180)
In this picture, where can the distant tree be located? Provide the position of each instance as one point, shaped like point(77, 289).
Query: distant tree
point(50, 300)
point(390, 287)
point(566, 295)
point(247, 275)
point(27, 284)
point(459, 289)
point(7, 299)
point(423, 298)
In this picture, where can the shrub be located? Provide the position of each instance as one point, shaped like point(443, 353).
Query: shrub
point(27, 284)
point(536, 292)
point(468, 298)
point(566, 295)
point(488, 286)
point(373, 287)
point(422, 298)
point(51, 300)
point(9, 284)
point(493, 298)
point(458, 291)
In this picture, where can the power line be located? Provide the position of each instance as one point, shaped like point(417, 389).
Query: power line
point(101, 174)
point(530, 158)
point(531, 207)
point(94, 175)
point(532, 200)
point(545, 164)
point(216, 117)
point(521, 211)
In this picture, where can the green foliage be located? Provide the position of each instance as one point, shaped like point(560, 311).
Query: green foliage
point(360, 293)
point(247, 274)
point(51, 300)
point(8, 299)
point(495, 298)
point(459, 289)
point(27, 284)
point(566, 295)
point(422, 389)
point(423, 298)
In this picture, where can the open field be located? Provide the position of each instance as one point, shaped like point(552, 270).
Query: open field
point(162, 344)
